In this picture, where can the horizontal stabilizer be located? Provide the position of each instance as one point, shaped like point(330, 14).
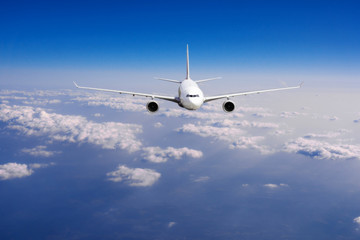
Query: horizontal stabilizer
point(207, 79)
point(168, 80)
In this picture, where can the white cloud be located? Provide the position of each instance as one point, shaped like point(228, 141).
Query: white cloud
point(37, 121)
point(262, 115)
point(251, 143)
point(273, 186)
point(158, 125)
point(13, 98)
point(177, 112)
point(202, 179)
point(291, 114)
point(39, 151)
point(40, 165)
point(280, 132)
point(17, 170)
point(14, 170)
point(171, 224)
point(98, 115)
point(258, 110)
point(37, 94)
point(38, 102)
point(243, 123)
point(38, 98)
point(157, 154)
point(134, 176)
point(323, 150)
point(326, 135)
point(357, 221)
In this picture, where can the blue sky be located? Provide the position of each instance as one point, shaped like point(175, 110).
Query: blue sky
point(86, 165)
point(226, 38)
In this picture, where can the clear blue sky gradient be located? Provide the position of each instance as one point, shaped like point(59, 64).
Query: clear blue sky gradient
point(291, 36)
point(104, 33)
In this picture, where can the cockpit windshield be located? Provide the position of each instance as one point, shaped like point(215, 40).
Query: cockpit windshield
point(190, 95)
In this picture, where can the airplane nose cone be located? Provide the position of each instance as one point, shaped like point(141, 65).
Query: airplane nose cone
point(196, 102)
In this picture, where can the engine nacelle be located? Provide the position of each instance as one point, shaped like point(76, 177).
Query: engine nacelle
point(228, 106)
point(152, 106)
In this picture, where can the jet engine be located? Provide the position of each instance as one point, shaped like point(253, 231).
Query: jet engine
point(228, 106)
point(152, 106)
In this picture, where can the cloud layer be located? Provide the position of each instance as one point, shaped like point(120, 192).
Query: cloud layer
point(37, 121)
point(70, 128)
point(249, 128)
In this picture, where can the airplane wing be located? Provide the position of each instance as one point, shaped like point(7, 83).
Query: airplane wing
point(172, 99)
point(212, 98)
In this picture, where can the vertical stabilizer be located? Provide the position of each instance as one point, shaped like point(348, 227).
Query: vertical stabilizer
point(187, 62)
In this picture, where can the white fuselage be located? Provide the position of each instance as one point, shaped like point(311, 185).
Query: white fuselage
point(190, 95)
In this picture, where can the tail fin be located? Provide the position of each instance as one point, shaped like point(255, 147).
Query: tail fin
point(187, 62)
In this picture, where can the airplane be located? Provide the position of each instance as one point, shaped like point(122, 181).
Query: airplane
point(189, 95)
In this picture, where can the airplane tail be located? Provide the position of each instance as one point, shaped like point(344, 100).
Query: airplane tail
point(187, 72)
